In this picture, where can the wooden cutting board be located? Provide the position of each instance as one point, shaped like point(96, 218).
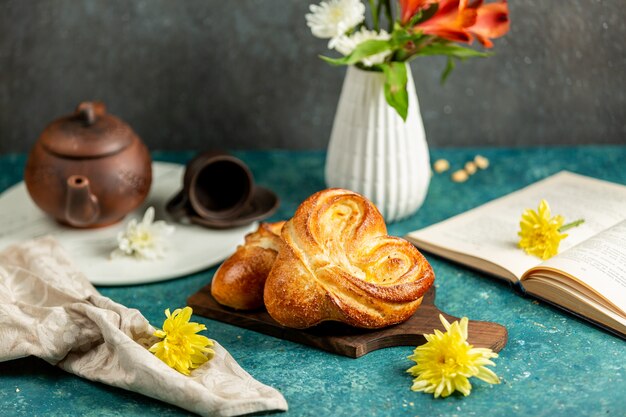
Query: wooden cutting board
point(347, 340)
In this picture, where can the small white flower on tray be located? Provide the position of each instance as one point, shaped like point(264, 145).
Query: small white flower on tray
point(333, 18)
point(145, 240)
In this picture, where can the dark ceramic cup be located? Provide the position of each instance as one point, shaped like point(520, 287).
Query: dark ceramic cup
point(216, 186)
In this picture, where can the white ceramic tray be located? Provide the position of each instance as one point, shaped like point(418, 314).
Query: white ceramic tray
point(192, 248)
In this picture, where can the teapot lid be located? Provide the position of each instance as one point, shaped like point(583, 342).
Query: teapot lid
point(88, 133)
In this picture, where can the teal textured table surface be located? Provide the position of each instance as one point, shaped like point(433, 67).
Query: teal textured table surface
point(553, 365)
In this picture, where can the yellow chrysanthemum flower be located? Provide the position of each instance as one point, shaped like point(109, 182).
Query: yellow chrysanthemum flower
point(540, 234)
point(181, 348)
point(446, 362)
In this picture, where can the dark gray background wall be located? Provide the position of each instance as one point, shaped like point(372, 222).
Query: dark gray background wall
point(199, 74)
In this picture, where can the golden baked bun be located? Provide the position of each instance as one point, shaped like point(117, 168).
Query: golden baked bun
point(239, 281)
point(338, 263)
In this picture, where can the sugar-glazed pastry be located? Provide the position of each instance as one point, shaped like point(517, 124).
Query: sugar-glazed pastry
point(239, 281)
point(338, 263)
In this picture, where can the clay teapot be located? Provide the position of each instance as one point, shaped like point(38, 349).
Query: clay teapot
point(88, 169)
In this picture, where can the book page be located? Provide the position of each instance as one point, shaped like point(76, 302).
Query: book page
point(488, 233)
point(599, 263)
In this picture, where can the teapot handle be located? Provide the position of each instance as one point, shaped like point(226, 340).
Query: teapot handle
point(89, 111)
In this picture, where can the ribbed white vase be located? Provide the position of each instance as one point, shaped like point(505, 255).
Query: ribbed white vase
point(373, 151)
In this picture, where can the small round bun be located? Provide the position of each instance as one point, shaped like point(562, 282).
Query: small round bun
point(239, 281)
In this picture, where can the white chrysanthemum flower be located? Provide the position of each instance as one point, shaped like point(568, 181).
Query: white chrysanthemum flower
point(145, 240)
point(346, 44)
point(333, 18)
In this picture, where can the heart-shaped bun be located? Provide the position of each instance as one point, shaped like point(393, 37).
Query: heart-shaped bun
point(338, 263)
point(239, 281)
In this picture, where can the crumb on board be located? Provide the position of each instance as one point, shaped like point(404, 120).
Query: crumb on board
point(470, 167)
point(481, 162)
point(459, 176)
point(441, 165)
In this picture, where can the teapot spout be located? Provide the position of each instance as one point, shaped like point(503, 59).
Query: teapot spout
point(81, 206)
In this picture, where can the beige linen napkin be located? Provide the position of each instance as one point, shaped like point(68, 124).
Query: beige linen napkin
point(49, 309)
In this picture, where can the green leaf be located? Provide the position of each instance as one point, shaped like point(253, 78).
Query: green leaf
point(452, 50)
point(363, 50)
point(447, 70)
point(400, 36)
point(395, 87)
point(405, 43)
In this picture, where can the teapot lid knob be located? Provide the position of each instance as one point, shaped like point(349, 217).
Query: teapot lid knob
point(89, 111)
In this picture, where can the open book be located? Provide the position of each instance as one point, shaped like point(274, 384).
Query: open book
point(587, 277)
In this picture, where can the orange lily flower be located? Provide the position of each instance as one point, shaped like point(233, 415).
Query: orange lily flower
point(460, 21)
point(492, 21)
point(408, 8)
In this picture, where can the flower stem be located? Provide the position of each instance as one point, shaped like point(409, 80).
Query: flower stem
point(389, 15)
point(375, 9)
point(411, 49)
point(571, 225)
